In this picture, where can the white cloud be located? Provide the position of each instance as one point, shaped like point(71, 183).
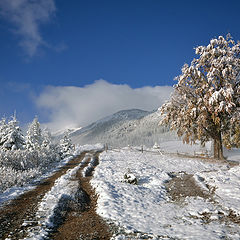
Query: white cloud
point(75, 106)
point(27, 15)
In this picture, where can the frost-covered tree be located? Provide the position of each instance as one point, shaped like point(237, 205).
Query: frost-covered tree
point(3, 126)
point(34, 136)
point(46, 137)
point(11, 137)
point(205, 103)
point(66, 146)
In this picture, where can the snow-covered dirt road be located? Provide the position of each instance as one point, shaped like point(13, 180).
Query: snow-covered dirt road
point(60, 207)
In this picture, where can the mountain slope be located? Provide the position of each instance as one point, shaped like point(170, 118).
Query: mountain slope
point(128, 127)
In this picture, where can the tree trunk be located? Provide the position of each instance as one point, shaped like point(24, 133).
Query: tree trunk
point(218, 148)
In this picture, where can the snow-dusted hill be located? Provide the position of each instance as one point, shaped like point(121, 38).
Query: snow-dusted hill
point(58, 134)
point(127, 127)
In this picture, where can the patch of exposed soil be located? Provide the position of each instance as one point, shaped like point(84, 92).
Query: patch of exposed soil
point(183, 185)
point(82, 222)
point(13, 214)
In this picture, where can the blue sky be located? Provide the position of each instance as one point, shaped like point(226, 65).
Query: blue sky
point(48, 45)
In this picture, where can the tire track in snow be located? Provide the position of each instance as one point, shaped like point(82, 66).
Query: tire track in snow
point(82, 222)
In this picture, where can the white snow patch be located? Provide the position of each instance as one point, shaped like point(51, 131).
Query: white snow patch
point(233, 154)
point(89, 147)
point(227, 187)
point(177, 146)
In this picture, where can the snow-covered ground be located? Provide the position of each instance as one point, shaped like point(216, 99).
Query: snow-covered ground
point(177, 146)
point(147, 207)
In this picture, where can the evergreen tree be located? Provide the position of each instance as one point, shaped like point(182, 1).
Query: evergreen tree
point(34, 137)
point(11, 134)
point(66, 146)
point(3, 132)
point(205, 103)
point(47, 138)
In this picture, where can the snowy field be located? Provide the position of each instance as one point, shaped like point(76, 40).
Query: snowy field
point(148, 208)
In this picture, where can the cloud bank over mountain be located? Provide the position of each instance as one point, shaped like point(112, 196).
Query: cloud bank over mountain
point(70, 106)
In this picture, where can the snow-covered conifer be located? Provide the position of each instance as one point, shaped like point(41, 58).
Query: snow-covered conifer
point(11, 134)
point(205, 103)
point(3, 126)
point(47, 138)
point(34, 137)
point(66, 146)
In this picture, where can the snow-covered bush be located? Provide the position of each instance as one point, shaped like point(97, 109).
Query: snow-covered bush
point(24, 159)
point(20, 166)
point(10, 177)
point(129, 177)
